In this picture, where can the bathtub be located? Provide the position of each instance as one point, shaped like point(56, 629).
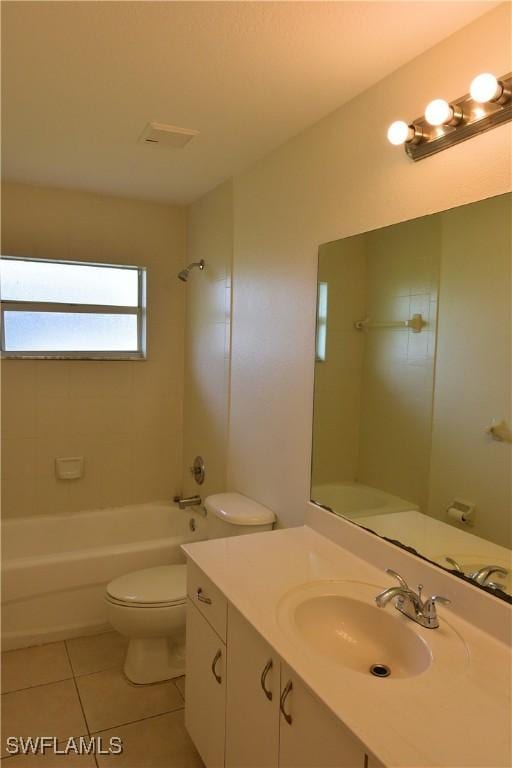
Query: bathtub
point(55, 568)
point(355, 500)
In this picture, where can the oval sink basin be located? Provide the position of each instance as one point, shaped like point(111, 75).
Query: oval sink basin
point(340, 624)
point(359, 635)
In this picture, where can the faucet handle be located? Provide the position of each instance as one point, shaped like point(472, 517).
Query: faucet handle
point(455, 565)
point(429, 611)
point(397, 576)
point(429, 607)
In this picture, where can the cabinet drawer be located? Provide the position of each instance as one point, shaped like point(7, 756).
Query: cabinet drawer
point(207, 598)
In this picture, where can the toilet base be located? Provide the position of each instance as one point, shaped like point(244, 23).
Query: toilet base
point(154, 659)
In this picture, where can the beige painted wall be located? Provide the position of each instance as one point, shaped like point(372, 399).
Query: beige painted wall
point(125, 418)
point(338, 178)
point(207, 339)
point(473, 368)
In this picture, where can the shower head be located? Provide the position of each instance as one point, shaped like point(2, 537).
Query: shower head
point(183, 275)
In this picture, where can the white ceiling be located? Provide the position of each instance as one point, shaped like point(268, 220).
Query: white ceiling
point(82, 79)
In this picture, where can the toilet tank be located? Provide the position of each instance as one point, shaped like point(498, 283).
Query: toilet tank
point(231, 514)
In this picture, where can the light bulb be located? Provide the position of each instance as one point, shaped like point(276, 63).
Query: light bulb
point(438, 112)
point(399, 132)
point(485, 87)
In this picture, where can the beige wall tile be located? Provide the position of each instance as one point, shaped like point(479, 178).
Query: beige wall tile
point(99, 410)
point(398, 372)
point(207, 333)
point(18, 463)
point(18, 399)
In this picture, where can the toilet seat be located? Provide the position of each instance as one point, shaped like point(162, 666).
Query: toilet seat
point(160, 587)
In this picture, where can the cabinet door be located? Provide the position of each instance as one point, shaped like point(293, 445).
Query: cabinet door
point(205, 705)
point(252, 722)
point(310, 735)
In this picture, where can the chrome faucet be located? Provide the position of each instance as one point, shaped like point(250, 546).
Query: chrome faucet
point(482, 575)
point(410, 603)
point(190, 501)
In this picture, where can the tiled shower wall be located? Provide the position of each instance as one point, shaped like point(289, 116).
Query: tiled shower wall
point(207, 339)
point(123, 417)
point(398, 375)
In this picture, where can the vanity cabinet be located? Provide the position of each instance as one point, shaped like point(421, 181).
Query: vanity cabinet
point(205, 709)
point(310, 735)
point(252, 711)
point(272, 719)
point(245, 708)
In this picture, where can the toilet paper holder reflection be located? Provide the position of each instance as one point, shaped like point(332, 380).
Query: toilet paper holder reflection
point(461, 512)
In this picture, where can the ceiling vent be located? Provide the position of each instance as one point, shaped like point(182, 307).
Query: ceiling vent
point(167, 135)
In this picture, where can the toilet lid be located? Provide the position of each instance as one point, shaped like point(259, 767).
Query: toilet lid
point(164, 585)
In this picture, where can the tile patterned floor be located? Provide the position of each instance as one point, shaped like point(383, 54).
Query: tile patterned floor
point(77, 688)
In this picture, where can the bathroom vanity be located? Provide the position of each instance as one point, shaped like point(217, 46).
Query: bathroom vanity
point(282, 629)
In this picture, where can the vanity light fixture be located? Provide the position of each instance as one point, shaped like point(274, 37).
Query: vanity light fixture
point(400, 133)
point(439, 112)
point(486, 88)
point(487, 105)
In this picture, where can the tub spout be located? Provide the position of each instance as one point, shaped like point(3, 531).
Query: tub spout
point(189, 501)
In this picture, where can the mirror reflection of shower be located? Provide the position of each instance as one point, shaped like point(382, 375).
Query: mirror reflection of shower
point(183, 275)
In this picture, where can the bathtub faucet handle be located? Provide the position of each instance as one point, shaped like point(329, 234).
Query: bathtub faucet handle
point(197, 470)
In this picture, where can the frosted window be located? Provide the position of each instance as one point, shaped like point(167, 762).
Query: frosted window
point(69, 332)
point(65, 309)
point(59, 282)
point(321, 323)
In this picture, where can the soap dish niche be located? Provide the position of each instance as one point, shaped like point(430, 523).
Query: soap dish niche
point(69, 468)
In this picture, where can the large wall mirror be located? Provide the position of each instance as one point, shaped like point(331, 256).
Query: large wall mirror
point(412, 434)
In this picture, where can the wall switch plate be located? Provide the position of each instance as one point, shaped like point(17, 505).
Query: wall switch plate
point(69, 468)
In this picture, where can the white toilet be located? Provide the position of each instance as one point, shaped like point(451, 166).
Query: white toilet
point(149, 606)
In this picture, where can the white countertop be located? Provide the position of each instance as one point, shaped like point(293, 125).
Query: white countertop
point(424, 721)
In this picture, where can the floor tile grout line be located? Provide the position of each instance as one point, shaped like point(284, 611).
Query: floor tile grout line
point(38, 685)
point(140, 720)
point(98, 671)
point(69, 658)
point(74, 676)
point(80, 699)
point(78, 693)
